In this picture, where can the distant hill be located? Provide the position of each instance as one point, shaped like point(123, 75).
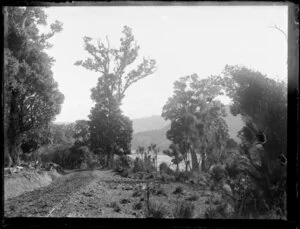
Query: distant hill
point(157, 137)
point(153, 130)
point(154, 122)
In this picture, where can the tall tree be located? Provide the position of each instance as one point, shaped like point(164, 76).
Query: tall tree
point(82, 133)
point(193, 113)
point(107, 121)
point(263, 104)
point(32, 98)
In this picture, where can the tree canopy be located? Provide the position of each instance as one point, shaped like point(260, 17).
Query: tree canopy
point(111, 131)
point(196, 118)
point(32, 98)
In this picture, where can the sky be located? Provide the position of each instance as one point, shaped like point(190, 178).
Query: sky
point(182, 39)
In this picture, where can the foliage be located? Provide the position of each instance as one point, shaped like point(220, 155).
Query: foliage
point(193, 197)
point(156, 210)
point(184, 209)
point(183, 176)
point(231, 144)
point(111, 132)
point(61, 133)
point(174, 152)
point(152, 148)
point(81, 133)
point(178, 190)
point(137, 206)
point(123, 163)
point(218, 173)
point(263, 104)
point(218, 212)
point(68, 156)
point(34, 139)
point(194, 111)
point(143, 166)
point(115, 206)
point(111, 63)
point(164, 168)
point(32, 98)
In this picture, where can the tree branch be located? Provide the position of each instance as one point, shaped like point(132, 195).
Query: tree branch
point(279, 29)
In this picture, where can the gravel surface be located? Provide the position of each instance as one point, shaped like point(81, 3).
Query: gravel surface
point(93, 194)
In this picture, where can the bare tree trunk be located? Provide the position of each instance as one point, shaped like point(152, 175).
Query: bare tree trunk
point(195, 164)
point(110, 158)
point(203, 166)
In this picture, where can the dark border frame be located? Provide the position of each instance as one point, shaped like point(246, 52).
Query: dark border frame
point(293, 134)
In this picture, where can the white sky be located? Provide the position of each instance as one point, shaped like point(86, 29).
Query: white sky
point(182, 39)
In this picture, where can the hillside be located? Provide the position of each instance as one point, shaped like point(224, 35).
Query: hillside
point(154, 122)
point(153, 133)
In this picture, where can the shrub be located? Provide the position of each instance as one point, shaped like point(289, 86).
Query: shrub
point(157, 190)
point(156, 210)
point(218, 173)
point(137, 206)
point(220, 211)
point(184, 209)
point(178, 190)
point(115, 206)
point(193, 197)
point(183, 176)
point(164, 168)
point(138, 166)
point(122, 165)
point(137, 193)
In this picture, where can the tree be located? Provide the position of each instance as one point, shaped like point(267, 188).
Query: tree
point(110, 133)
point(262, 102)
point(153, 148)
point(196, 117)
point(112, 84)
point(174, 152)
point(82, 133)
point(32, 98)
point(111, 63)
point(62, 134)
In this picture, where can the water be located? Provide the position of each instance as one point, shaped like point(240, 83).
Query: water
point(163, 158)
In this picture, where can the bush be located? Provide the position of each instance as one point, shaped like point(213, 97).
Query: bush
point(143, 166)
point(219, 212)
point(137, 193)
point(137, 206)
point(164, 168)
point(184, 210)
point(115, 206)
point(218, 173)
point(58, 154)
point(122, 164)
point(156, 210)
point(157, 190)
point(178, 190)
point(183, 176)
point(138, 166)
point(193, 197)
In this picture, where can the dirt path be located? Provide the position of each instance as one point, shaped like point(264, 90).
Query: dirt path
point(89, 194)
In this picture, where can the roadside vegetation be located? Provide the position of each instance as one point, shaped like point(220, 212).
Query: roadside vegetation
point(240, 180)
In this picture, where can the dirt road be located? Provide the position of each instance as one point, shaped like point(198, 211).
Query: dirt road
point(87, 194)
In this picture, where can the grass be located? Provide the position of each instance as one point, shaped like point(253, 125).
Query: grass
point(115, 206)
point(178, 190)
point(156, 210)
point(193, 197)
point(184, 209)
point(137, 206)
